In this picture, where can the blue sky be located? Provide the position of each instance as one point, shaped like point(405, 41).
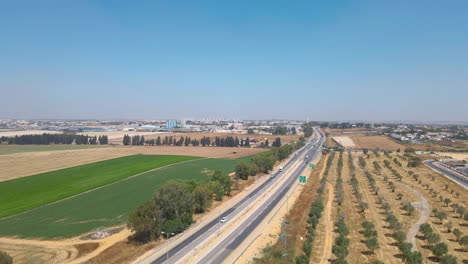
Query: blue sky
point(322, 60)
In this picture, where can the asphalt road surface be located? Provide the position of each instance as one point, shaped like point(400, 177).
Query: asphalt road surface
point(187, 245)
point(231, 242)
point(457, 177)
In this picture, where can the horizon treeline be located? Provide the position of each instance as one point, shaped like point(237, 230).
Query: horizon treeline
point(64, 139)
point(227, 141)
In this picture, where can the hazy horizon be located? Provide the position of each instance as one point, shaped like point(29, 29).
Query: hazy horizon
point(353, 60)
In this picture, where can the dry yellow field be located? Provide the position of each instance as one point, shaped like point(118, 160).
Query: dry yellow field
point(372, 142)
point(29, 163)
point(460, 156)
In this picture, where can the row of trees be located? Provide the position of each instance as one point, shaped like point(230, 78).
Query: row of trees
point(227, 141)
point(370, 233)
point(408, 255)
point(355, 184)
point(340, 246)
point(264, 162)
point(65, 139)
point(339, 181)
point(315, 212)
point(171, 209)
point(439, 249)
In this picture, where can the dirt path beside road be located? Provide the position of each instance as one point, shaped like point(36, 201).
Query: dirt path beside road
point(327, 248)
point(423, 206)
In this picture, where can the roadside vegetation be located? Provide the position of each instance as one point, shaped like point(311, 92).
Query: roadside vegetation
point(315, 213)
point(171, 209)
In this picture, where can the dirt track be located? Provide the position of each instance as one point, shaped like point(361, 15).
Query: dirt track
point(327, 248)
point(423, 206)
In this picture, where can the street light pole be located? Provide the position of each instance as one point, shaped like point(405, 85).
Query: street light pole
point(167, 234)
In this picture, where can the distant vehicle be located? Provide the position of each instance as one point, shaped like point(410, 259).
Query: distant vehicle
point(223, 220)
point(280, 169)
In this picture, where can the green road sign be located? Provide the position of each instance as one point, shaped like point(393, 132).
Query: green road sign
point(302, 179)
point(311, 165)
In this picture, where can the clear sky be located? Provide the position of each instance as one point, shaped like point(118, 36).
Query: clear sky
point(322, 60)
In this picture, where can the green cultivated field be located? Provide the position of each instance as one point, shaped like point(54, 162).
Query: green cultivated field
point(11, 149)
point(107, 206)
point(22, 194)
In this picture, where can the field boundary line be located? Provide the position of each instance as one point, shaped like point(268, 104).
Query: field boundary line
point(102, 186)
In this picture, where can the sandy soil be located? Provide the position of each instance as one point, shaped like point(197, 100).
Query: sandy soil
point(327, 218)
point(69, 250)
point(350, 130)
point(345, 142)
point(459, 156)
point(324, 237)
point(372, 142)
point(24, 164)
point(26, 132)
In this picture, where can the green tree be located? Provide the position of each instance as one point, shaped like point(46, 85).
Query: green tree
point(449, 226)
point(126, 140)
point(145, 222)
point(447, 201)
point(201, 198)
point(175, 200)
point(340, 251)
point(441, 216)
point(460, 210)
point(448, 259)
point(247, 142)
point(293, 131)
point(425, 229)
point(224, 179)
point(372, 244)
point(439, 249)
point(433, 238)
point(242, 171)
point(413, 257)
point(302, 259)
point(457, 233)
point(218, 190)
point(464, 242)
point(276, 143)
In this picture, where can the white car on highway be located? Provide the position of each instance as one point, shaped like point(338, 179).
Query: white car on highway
point(223, 220)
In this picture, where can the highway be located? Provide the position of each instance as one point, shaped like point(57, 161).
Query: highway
point(230, 242)
point(454, 176)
